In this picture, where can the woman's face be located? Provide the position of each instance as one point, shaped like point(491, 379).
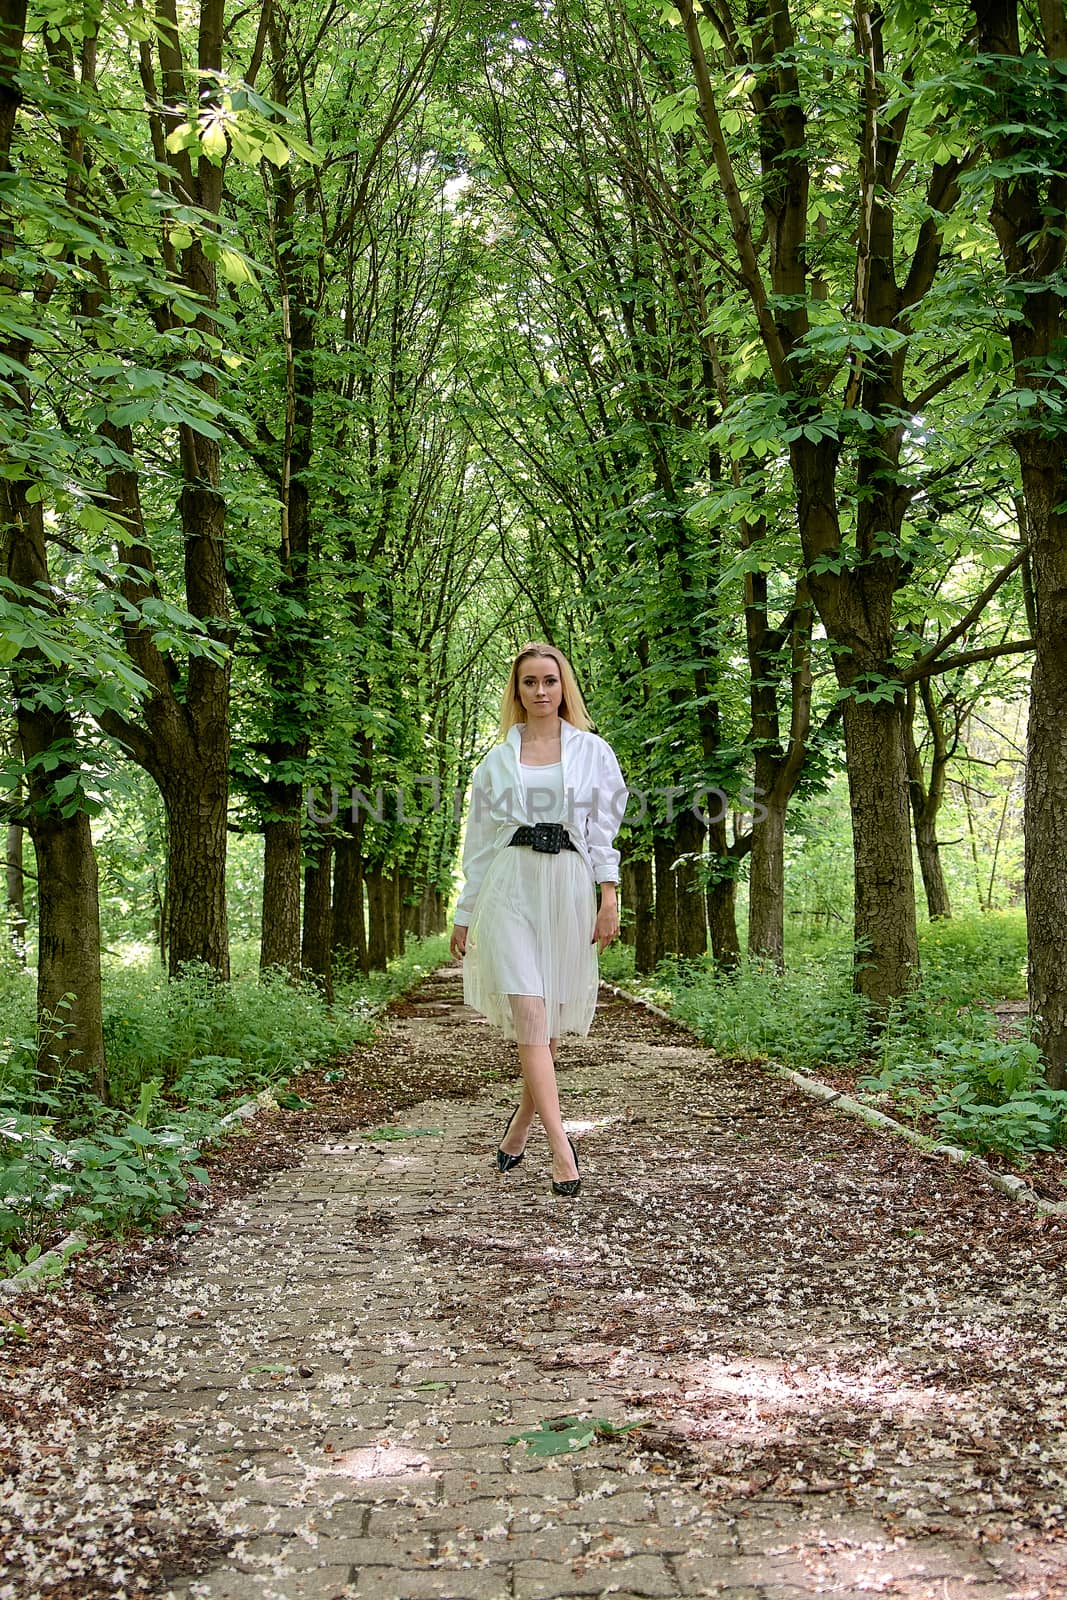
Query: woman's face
point(540, 689)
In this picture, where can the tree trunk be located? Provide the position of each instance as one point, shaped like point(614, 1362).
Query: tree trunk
point(69, 1002)
point(666, 895)
point(408, 908)
point(722, 923)
point(196, 877)
point(691, 909)
point(853, 589)
point(159, 899)
point(1029, 215)
point(426, 912)
point(286, 651)
point(722, 899)
point(857, 612)
point(183, 740)
point(773, 655)
point(926, 799)
point(377, 948)
point(645, 934)
point(69, 1008)
point(349, 928)
point(628, 899)
point(15, 880)
point(766, 883)
point(1045, 805)
point(885, 928)
point(394, 927)
point(279, 943)
point(316, 948)
point(938, 904)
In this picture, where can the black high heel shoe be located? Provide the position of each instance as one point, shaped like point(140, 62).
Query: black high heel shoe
point(569, 1186)
point(504, 1161)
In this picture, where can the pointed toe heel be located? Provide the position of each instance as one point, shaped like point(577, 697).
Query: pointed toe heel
point(504, 1161)
point(568, 1187)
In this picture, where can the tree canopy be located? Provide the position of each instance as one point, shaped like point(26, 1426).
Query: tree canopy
point(343, 350)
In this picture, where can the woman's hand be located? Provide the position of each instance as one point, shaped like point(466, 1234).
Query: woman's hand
point(607, 921)
point(458, 942)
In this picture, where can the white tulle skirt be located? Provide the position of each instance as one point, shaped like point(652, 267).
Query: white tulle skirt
point(531, 966)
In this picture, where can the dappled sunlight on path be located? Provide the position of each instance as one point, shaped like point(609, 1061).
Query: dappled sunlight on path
point(847, 1360)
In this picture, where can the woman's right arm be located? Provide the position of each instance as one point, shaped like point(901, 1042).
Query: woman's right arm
point(479, 847)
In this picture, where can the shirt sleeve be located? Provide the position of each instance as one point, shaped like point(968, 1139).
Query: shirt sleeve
point(479, 847)
point(605, 816)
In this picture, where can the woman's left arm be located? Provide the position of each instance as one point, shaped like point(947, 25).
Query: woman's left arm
point(607, 918)
point(608, 802)
point(602, 824)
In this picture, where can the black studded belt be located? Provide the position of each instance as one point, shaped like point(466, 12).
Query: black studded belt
point(548, 837)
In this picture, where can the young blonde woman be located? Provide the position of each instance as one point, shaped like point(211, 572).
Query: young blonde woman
point(545, 806)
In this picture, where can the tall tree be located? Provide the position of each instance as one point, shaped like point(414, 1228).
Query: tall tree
point(69, 1009)
point(853, 475)
point(1023, 78)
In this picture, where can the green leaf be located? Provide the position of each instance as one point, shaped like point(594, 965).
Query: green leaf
point(557, 1436)
point(181, 138)
point(235, 268)
point(213, 140)
point(291, 1102)
point(275, 150)
point(396, 1132)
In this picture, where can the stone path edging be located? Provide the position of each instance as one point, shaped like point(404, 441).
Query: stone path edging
point(1017, 1188)
point(54, 1261)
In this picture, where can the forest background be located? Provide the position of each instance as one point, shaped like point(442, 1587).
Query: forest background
point(342, 351)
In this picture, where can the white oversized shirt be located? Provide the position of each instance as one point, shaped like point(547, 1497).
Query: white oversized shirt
point(594, 801)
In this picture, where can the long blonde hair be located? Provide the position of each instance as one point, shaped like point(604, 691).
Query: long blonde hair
point(571, 706)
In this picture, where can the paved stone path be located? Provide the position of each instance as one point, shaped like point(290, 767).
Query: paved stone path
point(347, 1379)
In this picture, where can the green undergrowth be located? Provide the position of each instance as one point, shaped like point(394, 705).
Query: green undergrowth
point(942, 1062)
point(180, 1056)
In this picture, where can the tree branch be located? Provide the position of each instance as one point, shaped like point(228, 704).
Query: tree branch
point(985, 653)
point(919, 668)
point(739, 221)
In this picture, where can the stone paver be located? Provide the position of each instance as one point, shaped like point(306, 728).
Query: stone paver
point(351, 1430)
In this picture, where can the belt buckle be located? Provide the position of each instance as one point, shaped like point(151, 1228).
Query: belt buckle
point(548, 837)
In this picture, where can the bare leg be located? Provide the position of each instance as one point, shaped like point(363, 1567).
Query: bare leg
point(540, 1093)
point(514, 1142)
point(540, 1075)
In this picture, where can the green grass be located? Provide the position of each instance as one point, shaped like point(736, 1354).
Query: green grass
point(984, 954)
point(180, 1055)
point(936, 1060)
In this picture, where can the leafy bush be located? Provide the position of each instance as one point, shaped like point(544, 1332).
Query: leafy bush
point(804, 1017)
point(617, 963)
point(124, 1175)
point(269, 1024)
point(985, 955)
point(936, 1060)
point(1014, 1129)
point(982, 1092)
point(179, 1054)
